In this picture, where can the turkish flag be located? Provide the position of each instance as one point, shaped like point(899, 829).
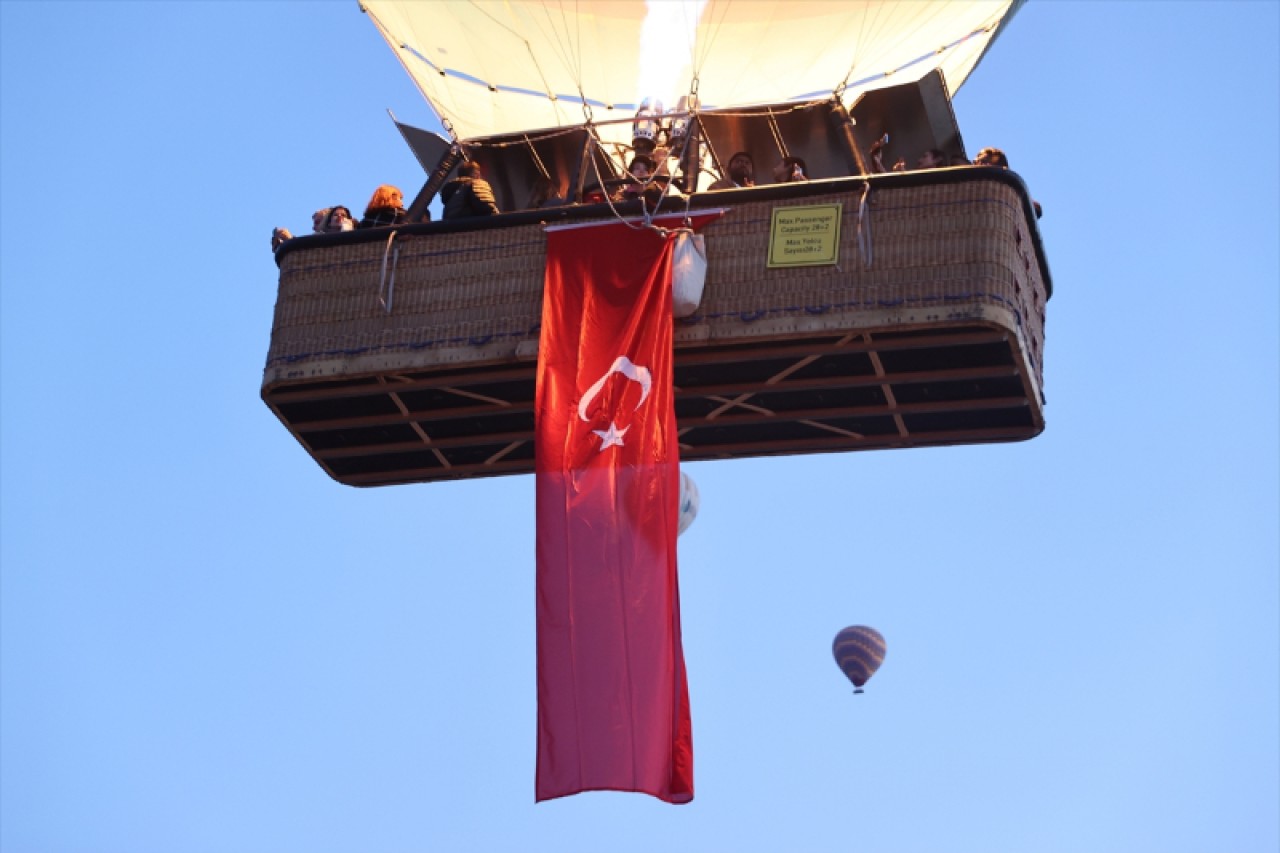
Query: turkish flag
point(613, 701)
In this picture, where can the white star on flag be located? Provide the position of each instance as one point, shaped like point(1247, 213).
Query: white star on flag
point(611, 436)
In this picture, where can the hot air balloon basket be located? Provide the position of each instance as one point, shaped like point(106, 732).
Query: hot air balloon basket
point(410, 356)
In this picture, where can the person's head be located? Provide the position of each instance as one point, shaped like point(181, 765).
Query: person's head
point(934, 158)
point(790, 169)
point(642, 167)
point(469, 169)
point(991, 157)
point(541, 192)
point(339, 219)
point(742, 167)
point(385, 196)
point(319, 218)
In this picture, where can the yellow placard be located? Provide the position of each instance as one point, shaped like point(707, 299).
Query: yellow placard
point(805, 236)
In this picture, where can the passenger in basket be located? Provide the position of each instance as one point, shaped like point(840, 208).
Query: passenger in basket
point(934, 158)
point(385, 208)
point(280, 236)
point(996, 157)
point(742, 173)
point(326, 220)
point(469, 194)
point(789, 170)
point(332, 220)
point(545, 194)
point(876, 155)
point(638, 173)
point(991, 157)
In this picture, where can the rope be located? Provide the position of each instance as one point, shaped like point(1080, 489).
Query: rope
point(386, 288)
point(777, 134)
point(567, 45)
point(542, 167)
point(646, 213)
point(701, 49)
point(864, 29)
point(864, 236)
point(525, 138)
point(595, 167)
point(748, 112)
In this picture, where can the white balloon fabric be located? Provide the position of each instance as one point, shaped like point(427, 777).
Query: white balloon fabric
point(688, 502)
point(494, 67)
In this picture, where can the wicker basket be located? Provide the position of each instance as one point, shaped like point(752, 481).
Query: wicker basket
point(411, 357)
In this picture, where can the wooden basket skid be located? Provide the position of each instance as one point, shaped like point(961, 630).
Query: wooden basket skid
point(933, 336)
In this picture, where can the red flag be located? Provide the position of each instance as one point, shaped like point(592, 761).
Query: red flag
point(613, 702)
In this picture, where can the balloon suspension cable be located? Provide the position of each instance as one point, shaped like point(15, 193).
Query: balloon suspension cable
point(691, 126)
point(595, 166)
point(525, 138)
point(448, 127)
point(648, 223)
point(542, 167)
point(688, 215)
point(693, 130)
point(777, 134)
point(666, 185)
point(754, 112)
point(690, 119)
point(865, 28)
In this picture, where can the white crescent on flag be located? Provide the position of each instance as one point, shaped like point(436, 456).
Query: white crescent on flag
point(622, 365)
point(613, 436)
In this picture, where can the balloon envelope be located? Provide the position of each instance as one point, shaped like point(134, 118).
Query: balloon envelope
point(492, 67)
point(689, 502)
point(859, 651)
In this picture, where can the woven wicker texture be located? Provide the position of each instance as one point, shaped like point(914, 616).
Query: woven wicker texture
point(946, 253)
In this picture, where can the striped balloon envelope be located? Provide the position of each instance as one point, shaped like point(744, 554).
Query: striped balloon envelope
point(859, 651)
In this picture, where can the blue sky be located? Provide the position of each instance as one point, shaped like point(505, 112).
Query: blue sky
point(207, 645)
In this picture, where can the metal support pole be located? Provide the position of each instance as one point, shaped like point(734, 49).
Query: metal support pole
point(451, 158)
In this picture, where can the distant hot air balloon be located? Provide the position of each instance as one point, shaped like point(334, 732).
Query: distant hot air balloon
point(859, 651)
point(688, 502)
